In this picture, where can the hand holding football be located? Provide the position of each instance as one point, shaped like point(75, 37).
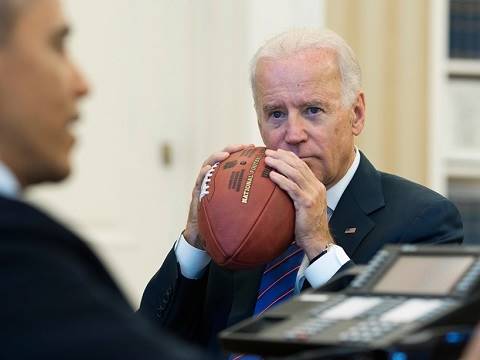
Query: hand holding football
point(244, 218)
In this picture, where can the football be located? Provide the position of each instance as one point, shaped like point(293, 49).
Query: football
point(244, 218)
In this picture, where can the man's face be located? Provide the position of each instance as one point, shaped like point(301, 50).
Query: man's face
point(39, 90)
point(299, 108)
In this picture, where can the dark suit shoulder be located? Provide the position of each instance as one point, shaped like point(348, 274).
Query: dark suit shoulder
point(396, 187)
point(35, 242)
point(59, 299)
point(427, 215)
point(24, 228)
point(373, 189)
point(20, 218)
point(385, 208)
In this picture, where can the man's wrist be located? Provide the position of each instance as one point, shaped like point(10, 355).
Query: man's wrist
point(319, 272)
point(323, 252)
point(192, 238)
point(192, 261)
point(316, 246)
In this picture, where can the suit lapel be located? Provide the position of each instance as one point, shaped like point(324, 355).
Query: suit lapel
point(351, 222)
point(352, 226)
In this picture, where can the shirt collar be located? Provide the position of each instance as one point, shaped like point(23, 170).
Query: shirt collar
point(336, 191)
point(9, 185)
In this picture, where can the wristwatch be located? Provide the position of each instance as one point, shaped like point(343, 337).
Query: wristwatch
point(324, 251)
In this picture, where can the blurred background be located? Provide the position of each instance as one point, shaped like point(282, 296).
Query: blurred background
point(170, 86)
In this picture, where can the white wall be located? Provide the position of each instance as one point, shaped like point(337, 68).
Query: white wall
point(163, 72)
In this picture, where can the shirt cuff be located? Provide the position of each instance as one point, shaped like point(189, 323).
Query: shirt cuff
point(192, 261)
point(322, 270)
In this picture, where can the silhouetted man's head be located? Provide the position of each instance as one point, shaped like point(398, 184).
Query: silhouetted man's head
point(39, 90)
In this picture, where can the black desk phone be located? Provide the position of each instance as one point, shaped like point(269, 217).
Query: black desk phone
point(403, 290)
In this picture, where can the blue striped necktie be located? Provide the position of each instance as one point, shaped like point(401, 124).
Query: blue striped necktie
point(278, 280)
point(277, 285)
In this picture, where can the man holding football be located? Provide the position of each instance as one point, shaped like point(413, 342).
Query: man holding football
point(310, 106)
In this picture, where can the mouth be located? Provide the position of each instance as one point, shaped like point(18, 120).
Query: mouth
point(305, 158)
point(75, 117)
point(71, 126)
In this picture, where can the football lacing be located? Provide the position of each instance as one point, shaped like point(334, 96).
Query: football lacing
point(206, 180)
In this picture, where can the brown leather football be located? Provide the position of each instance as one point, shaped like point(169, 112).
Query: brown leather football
point(244, 218)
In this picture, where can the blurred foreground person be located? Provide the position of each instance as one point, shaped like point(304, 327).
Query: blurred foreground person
point(58, 301)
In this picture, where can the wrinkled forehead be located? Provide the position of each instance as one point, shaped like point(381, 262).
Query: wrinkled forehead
point(322, 59)
point(313, 68)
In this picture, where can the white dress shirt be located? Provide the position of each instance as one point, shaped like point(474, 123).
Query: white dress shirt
point(193, 261)
point(9, 185)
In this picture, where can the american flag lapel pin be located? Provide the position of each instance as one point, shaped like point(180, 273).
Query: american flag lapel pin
point(350, 230)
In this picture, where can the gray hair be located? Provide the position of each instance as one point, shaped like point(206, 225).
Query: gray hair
point(9, 10)
point(294, 40)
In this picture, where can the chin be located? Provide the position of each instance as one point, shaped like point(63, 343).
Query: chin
point(319, 173)
point(61, 173)
point(52, 174)
point(314, 165)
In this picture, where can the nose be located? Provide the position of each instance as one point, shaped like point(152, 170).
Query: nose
point(296, 132)
point(80, 84)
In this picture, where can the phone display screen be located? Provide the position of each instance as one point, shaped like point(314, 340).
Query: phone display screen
point(424, 275)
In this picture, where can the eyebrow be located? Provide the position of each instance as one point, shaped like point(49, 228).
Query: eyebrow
point(270, 107)
point(318, 103)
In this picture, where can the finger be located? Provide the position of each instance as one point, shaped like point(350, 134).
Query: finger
point(303, 192)
point(216, 157)
point(201, 175)
point(236, 147)
point(280, 153)
point(298, 172)
point(207, 165)
point(292, 189)
point(222, 155)
point(287, 156)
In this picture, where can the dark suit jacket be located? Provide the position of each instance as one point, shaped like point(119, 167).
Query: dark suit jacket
point(59, 302)
point(383, 208)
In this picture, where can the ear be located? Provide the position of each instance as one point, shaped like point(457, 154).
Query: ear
point(261, 129)
point(358, 114)
point(259, 121)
